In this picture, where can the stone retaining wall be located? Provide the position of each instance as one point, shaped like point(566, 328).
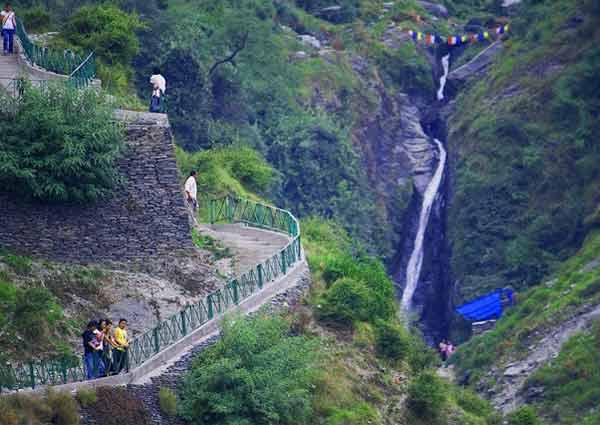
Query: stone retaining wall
point(145, 218)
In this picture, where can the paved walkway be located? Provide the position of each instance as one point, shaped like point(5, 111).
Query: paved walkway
point(249, 245)
point(9, 69)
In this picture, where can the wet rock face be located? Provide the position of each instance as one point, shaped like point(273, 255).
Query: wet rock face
point(397, 150)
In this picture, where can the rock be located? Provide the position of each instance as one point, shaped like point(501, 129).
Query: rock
point(476, 65)
point(299, 55)
point(435, 9)
point(310, 40)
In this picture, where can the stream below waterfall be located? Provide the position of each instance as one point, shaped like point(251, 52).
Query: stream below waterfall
point(415, 262)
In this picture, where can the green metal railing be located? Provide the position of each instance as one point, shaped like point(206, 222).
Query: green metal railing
point(81, 70)
point(223, 210)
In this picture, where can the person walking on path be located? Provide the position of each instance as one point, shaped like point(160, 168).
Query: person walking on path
point(90, 351)
point(9, 25)
point(191, 194)
point(159, 87)
point(120, 353)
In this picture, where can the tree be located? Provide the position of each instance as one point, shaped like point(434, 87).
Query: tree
point(59, 145)
point(256, 374)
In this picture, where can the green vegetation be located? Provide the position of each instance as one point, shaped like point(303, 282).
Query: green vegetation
point(168, 401)
point(571, 382)
point(523, 416)
point(29, 315)
point(426, 396)
point(58, 408)
point(527, 190)
point(575, 287)
point(210, 244)
point(87, 396)
point(256, 373)
point(110, 33)
point(59, 145)
point(237, 171)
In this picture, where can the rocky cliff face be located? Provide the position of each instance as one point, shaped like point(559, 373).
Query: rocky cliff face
point(395, 141)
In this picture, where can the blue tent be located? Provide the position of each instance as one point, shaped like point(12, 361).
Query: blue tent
point(486, 307)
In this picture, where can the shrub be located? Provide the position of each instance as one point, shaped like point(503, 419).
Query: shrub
point(36, 20)
point(60, 145)
point(87, 396)
point(105, 29)
point(523, 416)
point(256, 373)
point(392, 341)
point(167, 401)
point(63, 407)
point(346, 301)
point(426, 395)
point(20, 265)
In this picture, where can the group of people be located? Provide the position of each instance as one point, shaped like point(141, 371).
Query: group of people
point(9, 26)
point(446, 349)
point(105, 349)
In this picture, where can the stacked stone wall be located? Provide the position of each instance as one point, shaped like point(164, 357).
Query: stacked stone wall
point(146, 216)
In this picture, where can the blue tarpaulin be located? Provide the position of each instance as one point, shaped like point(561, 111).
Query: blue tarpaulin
point(486, 307)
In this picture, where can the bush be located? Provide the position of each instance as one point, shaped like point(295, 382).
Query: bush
point(523, 416)
point(426, 395)
point(63, 407)
point(60, 145)
point(36, 20)
point(87, 396)
point(346, 301)
point(167, 401)
point(256, 373)
point(105, 29)
point(53, 408)
point(392, 341)
point(234, 170)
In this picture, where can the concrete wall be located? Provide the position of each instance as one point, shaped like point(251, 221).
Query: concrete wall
point(146, 217)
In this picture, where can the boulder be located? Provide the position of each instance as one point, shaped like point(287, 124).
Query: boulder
point(435, 9)
point(310, 40)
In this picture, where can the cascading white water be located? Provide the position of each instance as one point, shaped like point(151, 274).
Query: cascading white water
point(444, 77)
point(413, 270)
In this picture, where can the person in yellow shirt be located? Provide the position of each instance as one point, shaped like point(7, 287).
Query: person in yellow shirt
point(120, 353)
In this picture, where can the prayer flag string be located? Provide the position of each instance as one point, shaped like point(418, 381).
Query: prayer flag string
point(458, 39)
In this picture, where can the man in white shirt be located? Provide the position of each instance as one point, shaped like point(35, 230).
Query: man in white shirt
point(159, 87)
point(191, 192)
point(9, 24)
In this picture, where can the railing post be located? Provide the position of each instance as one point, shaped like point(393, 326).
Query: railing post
point(229, 208)
point(211, 211)
point(210, 306)
point(63, 370)
point(32, 375)
point(236, 295)
point(183, 323)
point(283, 262)
point(156, 338)
point(259, 270)
point(299, 247)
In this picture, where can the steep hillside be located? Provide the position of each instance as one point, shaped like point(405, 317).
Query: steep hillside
point(524, 149)
point(544, 352)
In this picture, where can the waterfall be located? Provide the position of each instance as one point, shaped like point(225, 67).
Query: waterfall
point(413, 270)
point(446, 66)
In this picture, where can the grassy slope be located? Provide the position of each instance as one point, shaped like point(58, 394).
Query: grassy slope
point(570, 381)
point(527, 189)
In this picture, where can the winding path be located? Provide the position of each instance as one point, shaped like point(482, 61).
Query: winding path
point(9, 69)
